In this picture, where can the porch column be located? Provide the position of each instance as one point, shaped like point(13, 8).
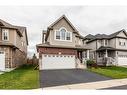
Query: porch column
point(87, 52)
point(116, 55)
point(106, 54)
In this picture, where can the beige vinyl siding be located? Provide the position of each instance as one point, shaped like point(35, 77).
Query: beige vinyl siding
point(123, 53)
point(112, 42)
point(99, 43)
point(24, 40)
point(18, 41)
point(121, 34)
point(78, 41)
point(92, 45)
point(11, 36)
point(119, 46)
point(51, 38)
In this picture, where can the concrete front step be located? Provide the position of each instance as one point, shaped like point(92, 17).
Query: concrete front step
point(81, 66)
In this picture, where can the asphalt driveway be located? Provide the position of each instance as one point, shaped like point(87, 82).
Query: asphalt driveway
point(49, 78)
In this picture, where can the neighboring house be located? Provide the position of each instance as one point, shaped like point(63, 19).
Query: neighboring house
point(13, 45)
point(62, 46)
point(108, 49)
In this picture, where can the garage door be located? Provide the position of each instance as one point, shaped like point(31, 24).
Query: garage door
point(122, 60)
point(50, 61)
point(2, 61)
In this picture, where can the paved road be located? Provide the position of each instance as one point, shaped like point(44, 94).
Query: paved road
point(124, 87)
point(49, 78)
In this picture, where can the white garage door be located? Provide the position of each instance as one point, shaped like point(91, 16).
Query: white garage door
point(2, 61)
point(122, 60)
point(50, 61)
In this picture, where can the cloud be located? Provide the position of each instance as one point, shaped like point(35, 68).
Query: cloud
point(87, 19)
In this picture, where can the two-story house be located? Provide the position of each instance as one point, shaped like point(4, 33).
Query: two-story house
point(62, 46)
point(13, 46)
point(108, 49)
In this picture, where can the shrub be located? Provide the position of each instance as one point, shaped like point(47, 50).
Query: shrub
point(90, 63)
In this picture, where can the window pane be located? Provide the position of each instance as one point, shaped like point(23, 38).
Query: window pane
point(57, 35)
point(63, 31)
point(5, 34)
point(68, 36)
point(122, 42)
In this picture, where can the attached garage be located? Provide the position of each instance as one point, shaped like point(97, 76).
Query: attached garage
point(57, 61)
point(122, 60)
point(2, 61)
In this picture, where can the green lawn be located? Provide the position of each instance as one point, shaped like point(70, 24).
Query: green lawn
point(24, 77)
point(113, 71)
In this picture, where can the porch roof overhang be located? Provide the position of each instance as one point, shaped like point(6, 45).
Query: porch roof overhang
point(7, 44)
point(66, 47)
point(102, 48)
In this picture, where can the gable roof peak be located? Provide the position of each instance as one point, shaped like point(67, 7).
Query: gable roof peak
point(63, 16)
point(116, 33)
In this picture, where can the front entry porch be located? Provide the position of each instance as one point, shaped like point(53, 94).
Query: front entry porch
point(106, 56)
point(82, 56)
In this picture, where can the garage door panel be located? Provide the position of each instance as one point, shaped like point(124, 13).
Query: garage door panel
point(58, 61)
point(122, 60)
point(2, 61)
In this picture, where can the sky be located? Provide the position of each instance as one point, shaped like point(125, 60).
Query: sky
point(87, 19)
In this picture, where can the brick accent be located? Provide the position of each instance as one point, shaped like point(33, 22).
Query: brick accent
point(19, 58)
point(13, 57)
point(62, 51)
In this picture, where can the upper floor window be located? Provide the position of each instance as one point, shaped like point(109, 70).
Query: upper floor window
point(106, 42)
point(63, 34)
point(122, 42)
point(57, 34)
point(5, 34)
point(68, 37)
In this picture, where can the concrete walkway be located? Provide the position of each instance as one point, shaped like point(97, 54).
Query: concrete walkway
point(93, 85)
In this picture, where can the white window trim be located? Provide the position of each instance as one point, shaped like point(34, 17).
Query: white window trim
point(122, 41)
point(65, 35)
point(7, 34)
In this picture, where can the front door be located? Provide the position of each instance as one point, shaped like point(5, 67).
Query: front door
point(79, 53)
point(2, 61)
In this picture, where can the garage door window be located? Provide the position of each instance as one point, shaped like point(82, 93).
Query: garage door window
point(122, 55)
point(1, 52)
point(53, 61)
